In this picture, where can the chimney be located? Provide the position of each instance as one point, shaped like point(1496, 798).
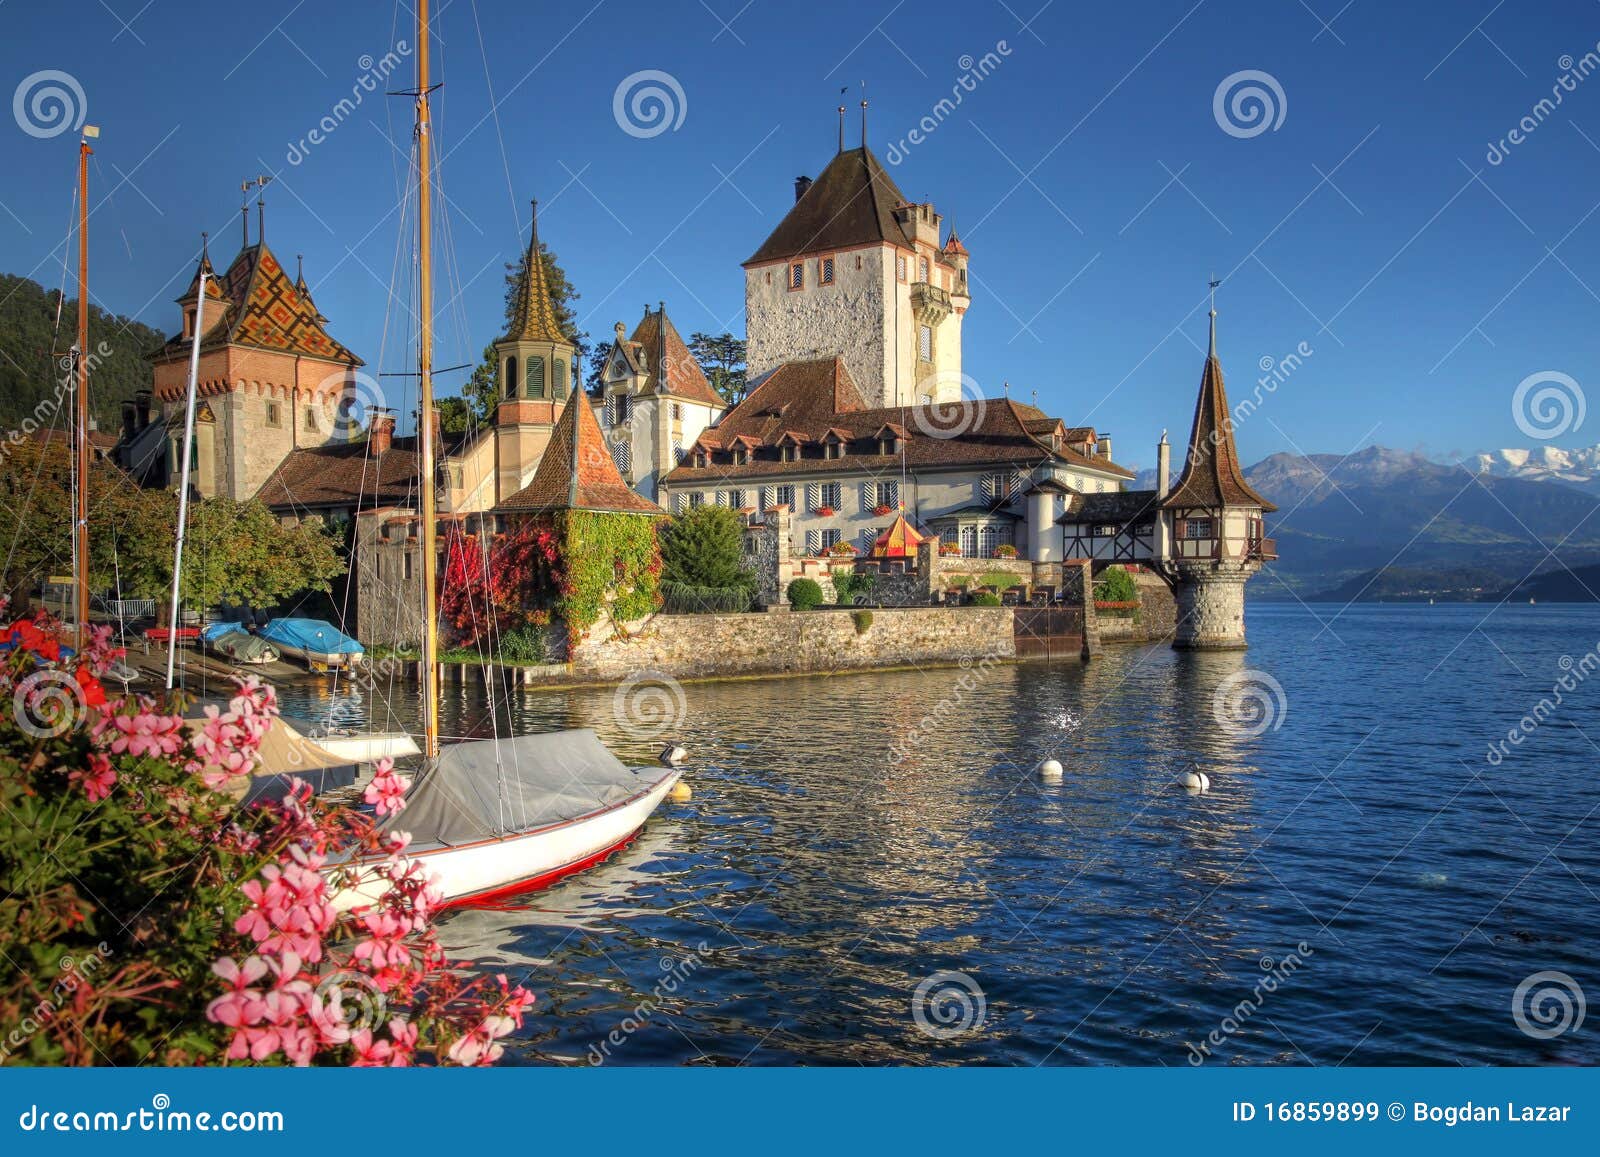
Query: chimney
point(141, 402)
point(1105, 446)
point(801, 184)
point(1163, 466)
point(381, 437)
point(130, 420)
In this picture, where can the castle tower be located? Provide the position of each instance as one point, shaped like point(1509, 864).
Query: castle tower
point(537, 370)
point(856, 270)
point(1217, 540)
point(270, 375)
point(656, 401)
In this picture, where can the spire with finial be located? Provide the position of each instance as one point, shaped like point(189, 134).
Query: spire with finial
point(1212, 284)
point(841, 122)
point(534, 318)
point(244, 212)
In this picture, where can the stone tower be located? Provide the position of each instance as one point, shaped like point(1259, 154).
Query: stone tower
point(537, 370)
point(856, 270)
point(1217, 539)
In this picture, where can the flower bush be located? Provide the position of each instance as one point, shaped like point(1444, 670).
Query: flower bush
point(1005, 550)
point(882, 510)
point(149, 918)
point(949, 549)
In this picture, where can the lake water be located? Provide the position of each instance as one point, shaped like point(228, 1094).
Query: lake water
point(1361, 884)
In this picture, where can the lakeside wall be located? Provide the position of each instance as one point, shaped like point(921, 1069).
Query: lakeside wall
point(793, 643)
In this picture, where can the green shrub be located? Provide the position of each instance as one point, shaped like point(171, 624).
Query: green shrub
point(851, 588)
point(1116, 585)
point(986, 599)
point(704, 547)
point(862, 620)
point(804, 593)
point(688, 599)
point(999, 580)
point(524, 646)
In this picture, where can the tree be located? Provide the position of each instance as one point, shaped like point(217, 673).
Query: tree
point(1117, 586)
point(722, 360)
point(704, 548)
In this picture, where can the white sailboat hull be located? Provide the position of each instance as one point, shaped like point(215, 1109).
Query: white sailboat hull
point(327, 659)
point(526, 861)
point(369, 748)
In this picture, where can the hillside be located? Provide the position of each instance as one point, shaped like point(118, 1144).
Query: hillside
point(1578, 585)
point(30, 375)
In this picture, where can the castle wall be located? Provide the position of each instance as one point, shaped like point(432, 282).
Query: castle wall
point(785, 325)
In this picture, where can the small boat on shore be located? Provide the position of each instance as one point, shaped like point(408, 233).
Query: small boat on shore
point(492, 818)
point(314, 642)
point(232, 642)
point(354, 745)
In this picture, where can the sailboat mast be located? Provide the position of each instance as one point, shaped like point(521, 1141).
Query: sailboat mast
point(183, 476)
point(425, 419)
point(81, 551)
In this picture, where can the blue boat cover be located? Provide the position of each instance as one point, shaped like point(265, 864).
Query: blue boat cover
point(310, 635)
point(214, 631)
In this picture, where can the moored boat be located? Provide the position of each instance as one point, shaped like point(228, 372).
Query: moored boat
point(354, 745)
point(494, 817)
point(232, 642)
point(313, 641)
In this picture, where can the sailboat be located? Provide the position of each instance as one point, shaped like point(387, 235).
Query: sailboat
point(492, 817)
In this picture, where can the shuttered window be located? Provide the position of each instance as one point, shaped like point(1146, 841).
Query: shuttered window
point(784, 497)
point(826, 266)
point(535, 377)
point(559, 379)
point(813, 541)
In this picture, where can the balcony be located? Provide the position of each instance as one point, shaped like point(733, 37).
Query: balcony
point(932, 304)
point(1264, 549)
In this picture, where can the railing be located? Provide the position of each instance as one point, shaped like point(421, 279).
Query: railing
point(1265, 549)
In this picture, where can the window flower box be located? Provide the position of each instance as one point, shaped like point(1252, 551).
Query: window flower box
point(882, 510)
point(1005, 550)
point(842, 550)
point(824, 512)
point(950, 549)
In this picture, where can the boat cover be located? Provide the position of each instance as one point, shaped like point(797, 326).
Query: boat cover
point(241, 647)
point(213, 631)
point(482, 789)
point(315, 635)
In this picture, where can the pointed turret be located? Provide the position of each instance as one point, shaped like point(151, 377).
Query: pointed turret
point(534, 316)
point(577, 471)
point(1212, 476)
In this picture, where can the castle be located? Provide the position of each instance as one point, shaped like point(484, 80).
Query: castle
point(857, 413)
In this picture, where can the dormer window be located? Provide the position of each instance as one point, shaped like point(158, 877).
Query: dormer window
point(797, 275)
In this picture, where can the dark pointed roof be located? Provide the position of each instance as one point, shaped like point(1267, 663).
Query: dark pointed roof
point(577, 472)
point(851, 203)
point(1212, 475)
point(534, 314)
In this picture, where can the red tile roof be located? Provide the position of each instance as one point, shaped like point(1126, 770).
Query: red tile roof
point(344, 475)
point(577, 472)
point(669, 366)
point(805, 401)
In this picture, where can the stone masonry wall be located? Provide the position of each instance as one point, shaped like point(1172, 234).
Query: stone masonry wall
point(795, 642)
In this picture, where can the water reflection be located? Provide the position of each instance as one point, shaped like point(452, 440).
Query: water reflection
point(840, 848)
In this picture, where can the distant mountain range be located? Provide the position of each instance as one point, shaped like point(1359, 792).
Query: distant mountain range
point(1386, 524)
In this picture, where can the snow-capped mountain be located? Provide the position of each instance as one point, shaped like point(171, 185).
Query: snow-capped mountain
point(1580, 468)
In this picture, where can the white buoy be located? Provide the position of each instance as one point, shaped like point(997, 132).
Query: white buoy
point(672, 755)
point(1050, 771)
point(1197, 782)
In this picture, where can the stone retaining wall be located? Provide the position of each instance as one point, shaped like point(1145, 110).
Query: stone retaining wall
point(794, 642)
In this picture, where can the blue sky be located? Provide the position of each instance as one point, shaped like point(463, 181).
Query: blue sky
point(1087, 172)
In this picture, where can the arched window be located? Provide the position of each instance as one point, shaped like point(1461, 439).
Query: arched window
point(558, 379)
point(509, 385)
point(535, 377)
